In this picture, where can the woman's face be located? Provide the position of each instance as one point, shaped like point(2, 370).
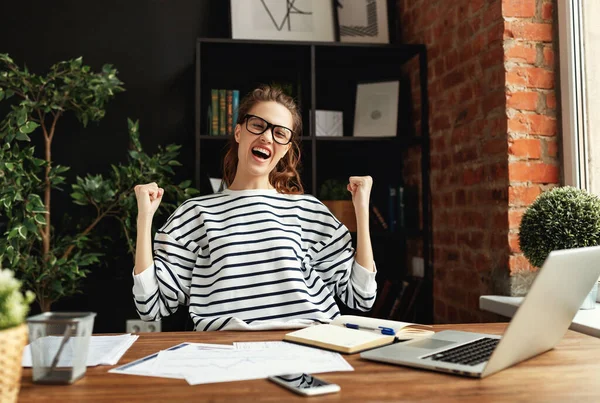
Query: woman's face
point(259, 154)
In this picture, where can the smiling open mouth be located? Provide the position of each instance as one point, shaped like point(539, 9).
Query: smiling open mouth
point(261, 152)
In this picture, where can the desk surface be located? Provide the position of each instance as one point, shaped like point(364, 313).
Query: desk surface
point(570, 372)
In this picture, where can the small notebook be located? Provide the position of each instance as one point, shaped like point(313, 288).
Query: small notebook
point(338, 337)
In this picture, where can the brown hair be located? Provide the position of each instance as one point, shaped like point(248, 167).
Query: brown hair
point(285, 177)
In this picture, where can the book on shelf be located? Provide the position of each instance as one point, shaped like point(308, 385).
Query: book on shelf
point(235, 99)
point(214, 118)
point(378, 220)
point(229, 116)
point(351, 334)
point(222, 112)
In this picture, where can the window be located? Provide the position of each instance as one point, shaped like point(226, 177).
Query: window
point(579, 45)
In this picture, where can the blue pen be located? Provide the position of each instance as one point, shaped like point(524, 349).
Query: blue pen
point(388, 331)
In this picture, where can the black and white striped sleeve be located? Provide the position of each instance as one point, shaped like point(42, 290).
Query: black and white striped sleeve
point(334, 261)
point(159, 290)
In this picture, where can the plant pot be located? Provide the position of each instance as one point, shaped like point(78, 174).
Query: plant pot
point(12, 343)
point(343, 210)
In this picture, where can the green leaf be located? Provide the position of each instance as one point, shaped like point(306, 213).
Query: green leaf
point(28, 127)
point(40, 219)
point(22, 136)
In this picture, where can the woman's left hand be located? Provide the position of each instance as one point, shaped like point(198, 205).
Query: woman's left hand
point(360, 187)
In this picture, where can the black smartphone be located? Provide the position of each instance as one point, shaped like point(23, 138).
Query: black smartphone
point(305, 384)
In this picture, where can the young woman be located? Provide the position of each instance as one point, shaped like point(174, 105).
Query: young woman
point(260, 254)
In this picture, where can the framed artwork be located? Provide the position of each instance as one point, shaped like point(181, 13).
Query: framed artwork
point(376, 112)
point(363, 21)
point(286, 20)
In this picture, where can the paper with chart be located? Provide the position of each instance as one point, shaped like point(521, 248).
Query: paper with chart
point(146, 366)
point(240, 362)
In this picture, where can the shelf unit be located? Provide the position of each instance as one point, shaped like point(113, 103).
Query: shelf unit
point(324, 76)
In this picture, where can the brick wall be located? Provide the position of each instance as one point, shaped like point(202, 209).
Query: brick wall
point(493, 137)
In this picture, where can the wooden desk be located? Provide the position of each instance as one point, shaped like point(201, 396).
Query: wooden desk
point(570, 372)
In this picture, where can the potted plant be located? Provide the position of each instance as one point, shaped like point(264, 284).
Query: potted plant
point(335, 195)
point(14, 306)
point(561, 218)
point(52, 261)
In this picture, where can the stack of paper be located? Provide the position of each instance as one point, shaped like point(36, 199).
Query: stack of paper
point(208, 363)
point(103, 350)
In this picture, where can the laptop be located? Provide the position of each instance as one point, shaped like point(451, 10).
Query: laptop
point(563, 282)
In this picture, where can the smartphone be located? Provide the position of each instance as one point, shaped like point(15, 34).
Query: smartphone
point(305, 384)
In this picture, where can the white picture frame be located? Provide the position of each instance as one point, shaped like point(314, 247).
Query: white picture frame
point(376, 111)
point(363, 21)
point(299, 20)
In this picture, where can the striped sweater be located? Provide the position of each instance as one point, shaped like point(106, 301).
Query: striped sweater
point(253, 259)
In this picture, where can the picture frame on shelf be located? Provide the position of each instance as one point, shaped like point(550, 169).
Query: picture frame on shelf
point(363, 21)
point(376, 110)
point(300, 20)
point(329, 123)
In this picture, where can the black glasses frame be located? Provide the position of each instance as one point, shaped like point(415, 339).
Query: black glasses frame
point(269, 126)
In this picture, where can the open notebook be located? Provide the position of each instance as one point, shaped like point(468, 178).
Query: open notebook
point(351, 334)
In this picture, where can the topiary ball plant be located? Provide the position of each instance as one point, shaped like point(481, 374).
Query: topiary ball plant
point(561, 218)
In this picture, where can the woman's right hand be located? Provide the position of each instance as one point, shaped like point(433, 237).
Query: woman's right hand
point(148, 198)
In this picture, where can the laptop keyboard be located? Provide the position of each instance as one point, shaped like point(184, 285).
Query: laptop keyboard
point(472, 353)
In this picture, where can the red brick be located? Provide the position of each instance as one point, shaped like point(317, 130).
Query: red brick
point(534, 172)
point(532, 123)
point(492, 13)
point(441, 122)
point(551, 100)
point(542, 124)
point(482, 263)
point(532, 77)
point(522, 100)
point(522, 195)
point(451, 59)
point(528, 31)
point(492, 101)
point(548, 56)
point(514, 217)
point(547, 11)
point(527, 148)
point(476, 5)
point(494, 146)
point(518, 124)
point(552, 148)
point(496, 33)
point(466, 94)
point(513, 243)
point(472, 176)
point(522, 53)
point(518, 8)
point(518, 263)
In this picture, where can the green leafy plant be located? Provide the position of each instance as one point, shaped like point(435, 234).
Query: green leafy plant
point(561, 218)
point(333, 189)
point(50, 262)
point(14, 306)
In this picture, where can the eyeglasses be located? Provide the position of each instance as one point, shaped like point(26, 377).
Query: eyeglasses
point(257, 125)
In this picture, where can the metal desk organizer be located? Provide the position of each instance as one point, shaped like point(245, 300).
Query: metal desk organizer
point(59, 344)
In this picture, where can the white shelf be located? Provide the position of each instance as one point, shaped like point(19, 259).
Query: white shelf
point(586, 321)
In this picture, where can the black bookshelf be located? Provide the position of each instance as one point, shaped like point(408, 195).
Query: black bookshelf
point(324, 76)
